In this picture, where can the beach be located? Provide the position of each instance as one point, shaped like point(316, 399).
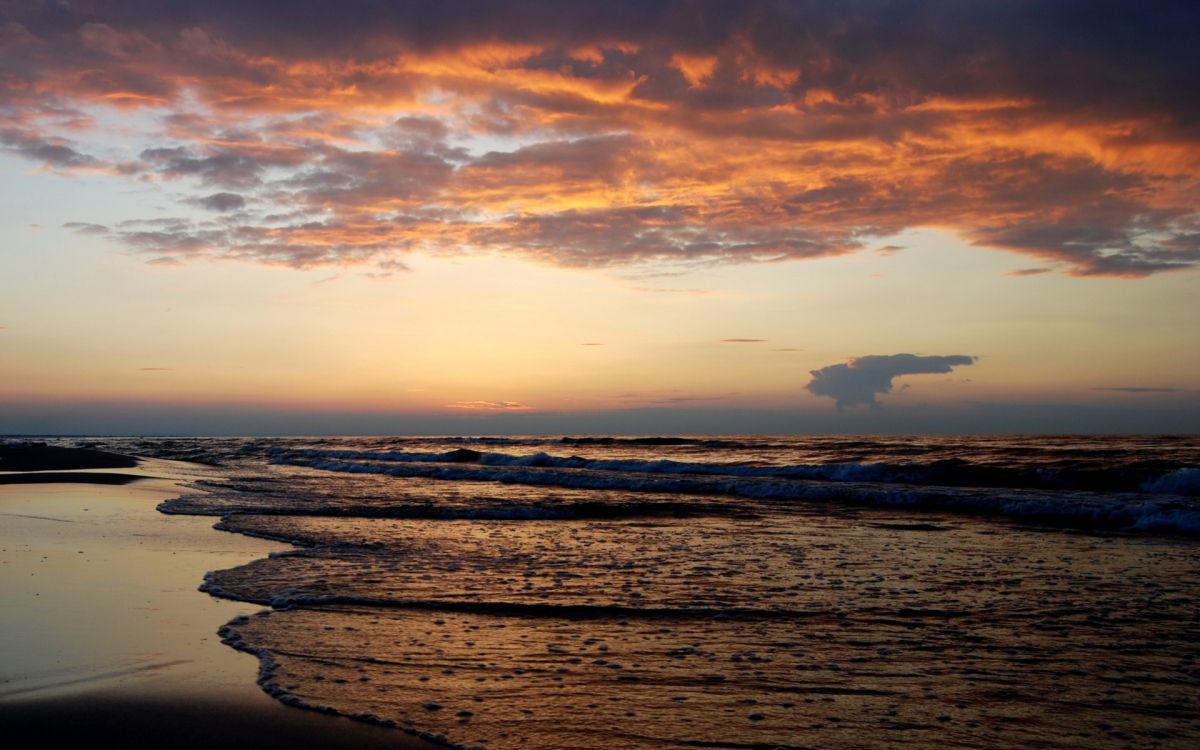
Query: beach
point(613, 592)
point(107, 641)
point(676, 375)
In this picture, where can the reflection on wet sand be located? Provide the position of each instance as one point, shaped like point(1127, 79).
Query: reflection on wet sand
point(785, 630)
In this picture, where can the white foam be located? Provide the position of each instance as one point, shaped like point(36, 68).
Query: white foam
point(1184, 481)
point(1082, 509)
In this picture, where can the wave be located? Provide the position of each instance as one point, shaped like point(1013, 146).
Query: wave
point(549, 511)
point(669, 441)
point(953, 472)
point(1066, 508)
point(1103, 463)
point(1184, 481)
point(284, 600)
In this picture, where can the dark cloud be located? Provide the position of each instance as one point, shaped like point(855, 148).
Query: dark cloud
point(689, 399)
point(1094, 54)
point(860, 380)
point(1139, 389)
point(1029, 272)
point(350, 180)
point(82, 227)
point(605, 237)
point(605, 159)
point(238, 166)
point(423, 134)
point(221, 202)
point(298, 245)
point(55, 153)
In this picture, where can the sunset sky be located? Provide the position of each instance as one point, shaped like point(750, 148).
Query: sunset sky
point(386, 217)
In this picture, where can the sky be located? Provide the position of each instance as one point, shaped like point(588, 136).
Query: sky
point(619, 217)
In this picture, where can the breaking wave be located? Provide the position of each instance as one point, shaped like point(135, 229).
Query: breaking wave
point(1128, 510)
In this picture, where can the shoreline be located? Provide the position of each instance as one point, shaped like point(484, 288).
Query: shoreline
point(110, 643)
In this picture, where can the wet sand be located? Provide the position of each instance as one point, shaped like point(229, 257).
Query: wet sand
point(107, 641)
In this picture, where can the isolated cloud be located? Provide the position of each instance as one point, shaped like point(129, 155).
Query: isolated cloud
point(601, 134)
point(83, 227)
point(860, 380)
point(221, 202)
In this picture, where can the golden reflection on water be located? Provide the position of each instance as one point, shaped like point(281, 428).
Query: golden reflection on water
point(97, 587)
point(860, 629)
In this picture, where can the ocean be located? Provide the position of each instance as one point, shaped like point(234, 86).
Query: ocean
point(719, 592)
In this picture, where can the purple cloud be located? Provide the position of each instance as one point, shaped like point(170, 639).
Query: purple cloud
point(860, 380)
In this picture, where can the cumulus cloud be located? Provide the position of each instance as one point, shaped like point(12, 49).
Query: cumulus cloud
point(618, 133)
point(860, 380)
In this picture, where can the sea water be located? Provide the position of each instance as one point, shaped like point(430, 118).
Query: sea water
point(721, 592)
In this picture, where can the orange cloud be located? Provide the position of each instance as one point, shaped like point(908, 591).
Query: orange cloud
point(594, 137)
point(695, 68)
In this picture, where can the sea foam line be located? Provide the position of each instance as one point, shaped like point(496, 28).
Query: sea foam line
point(948, 472)
point(1131, 511)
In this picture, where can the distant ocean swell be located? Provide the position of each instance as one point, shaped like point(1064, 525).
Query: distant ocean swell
point(1124, 510)
point(947, 472)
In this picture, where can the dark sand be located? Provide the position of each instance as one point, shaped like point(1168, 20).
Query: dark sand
point(68, 477)
point(121, 718)
point(42, 457)
point(107, 642)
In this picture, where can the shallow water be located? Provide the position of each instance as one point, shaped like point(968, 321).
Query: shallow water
point(723, 592)
point(106, 643)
